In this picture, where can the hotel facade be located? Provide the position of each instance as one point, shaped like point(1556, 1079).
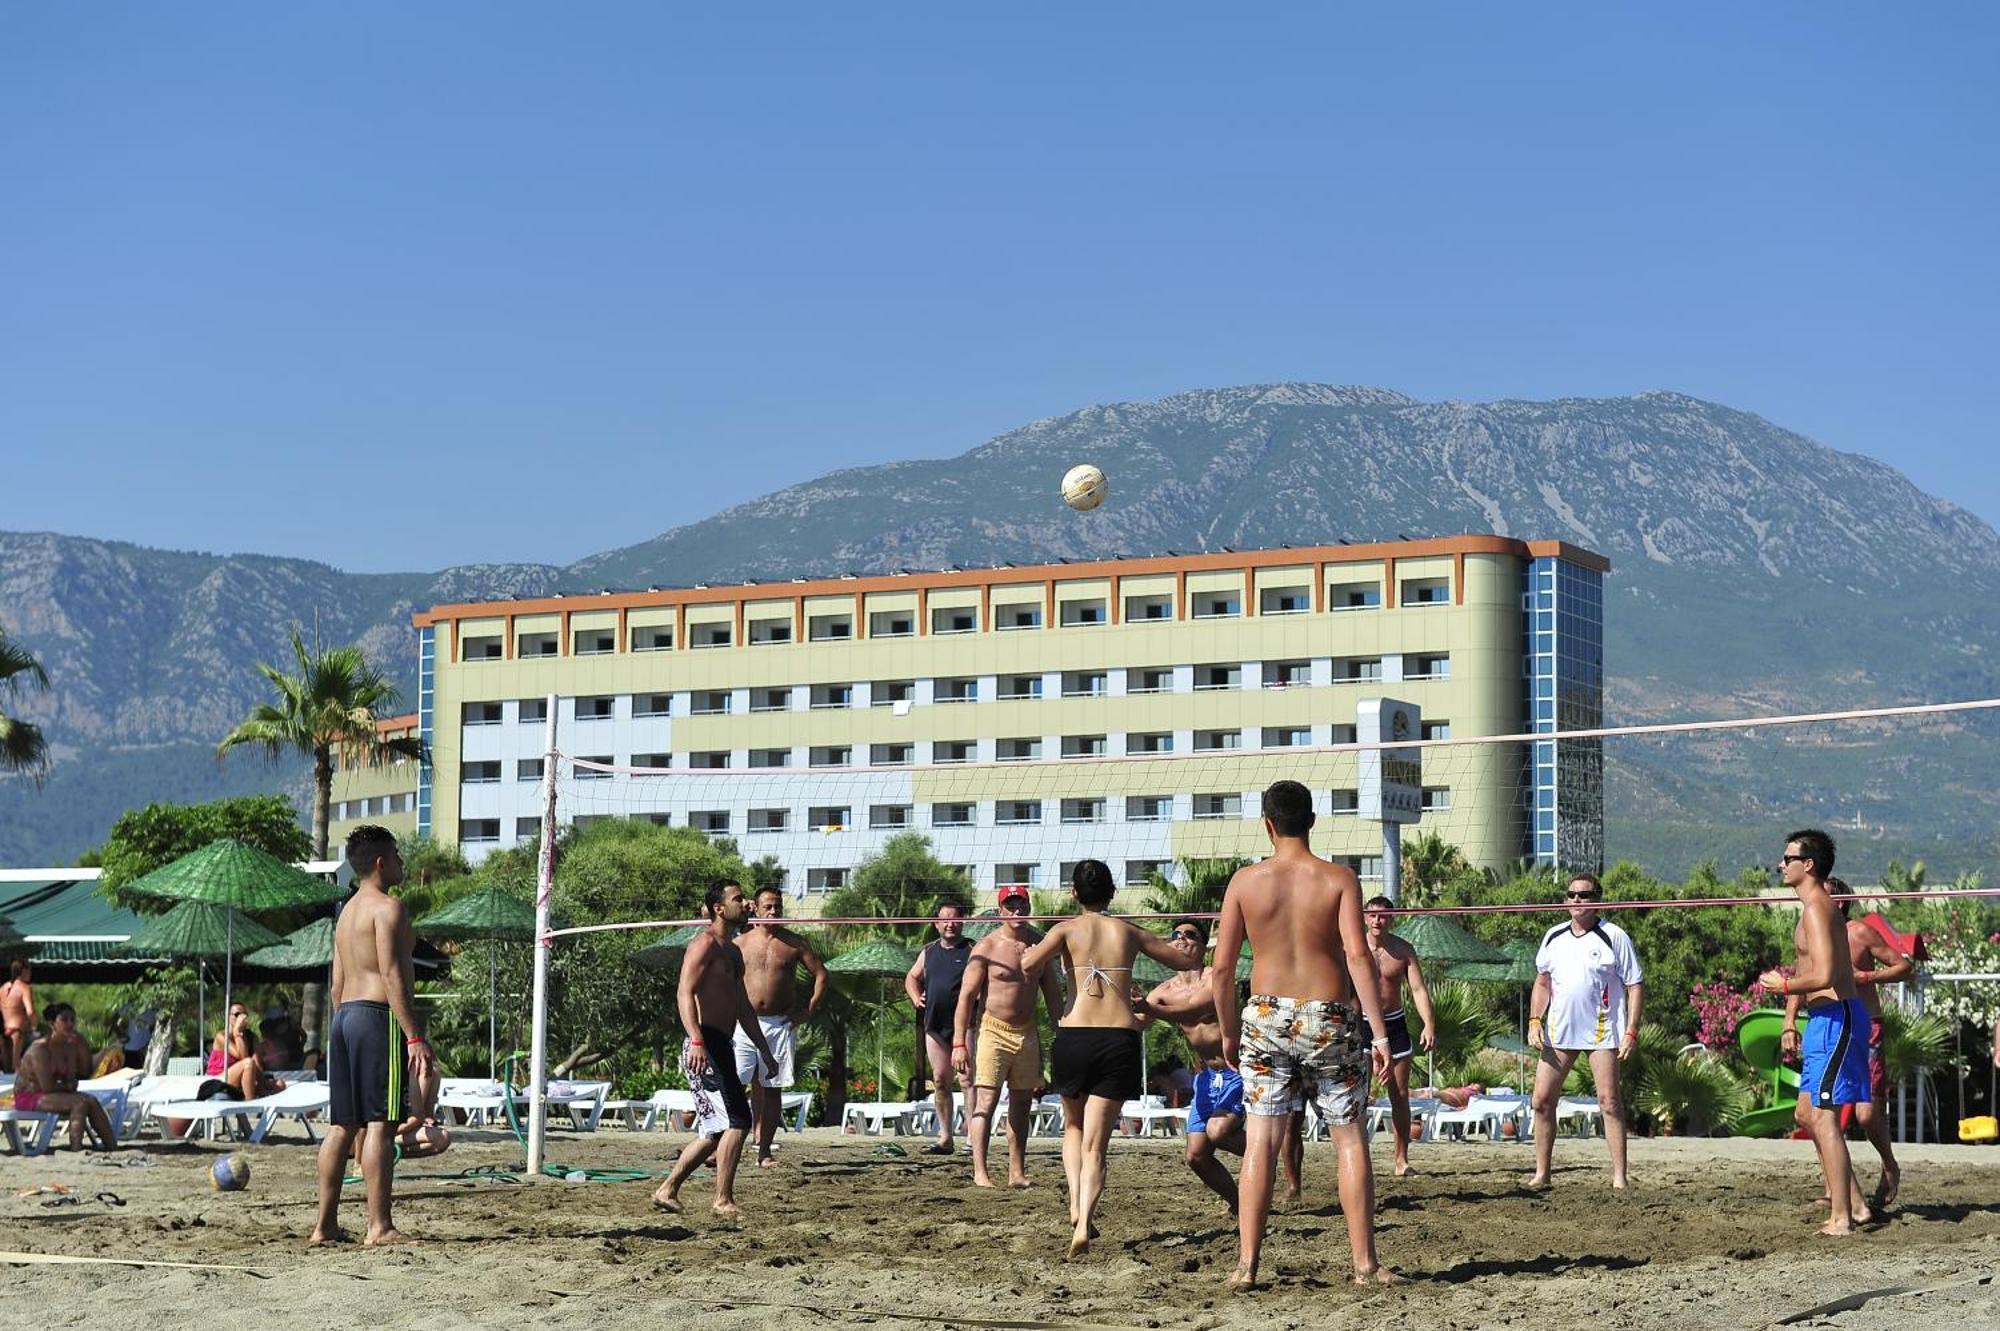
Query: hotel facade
point(1023, 718)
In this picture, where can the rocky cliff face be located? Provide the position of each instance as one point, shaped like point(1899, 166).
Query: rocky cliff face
point(1753, 568)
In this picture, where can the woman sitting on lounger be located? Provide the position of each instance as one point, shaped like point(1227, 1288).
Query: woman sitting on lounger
point(238, 1064)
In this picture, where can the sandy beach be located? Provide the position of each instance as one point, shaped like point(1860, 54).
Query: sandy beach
point(846, 1230)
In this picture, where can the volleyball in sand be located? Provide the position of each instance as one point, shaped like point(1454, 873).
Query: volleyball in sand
point(230, 1173)
point(1084, 487)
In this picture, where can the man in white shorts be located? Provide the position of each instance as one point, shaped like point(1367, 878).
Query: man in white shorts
point(772, 955)
point(1587, 998)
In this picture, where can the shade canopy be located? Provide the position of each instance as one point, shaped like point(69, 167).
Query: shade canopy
point(982, 924)
point(491, 913)
point(878, 957)
point(200, 929)
point(229, 873)
point(1518, 968)
point(1437, 939)
point(13, 943)
point(309, 948)
point(666, 954)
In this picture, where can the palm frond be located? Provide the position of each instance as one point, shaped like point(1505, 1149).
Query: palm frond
point(23, 748)
point(18, 665)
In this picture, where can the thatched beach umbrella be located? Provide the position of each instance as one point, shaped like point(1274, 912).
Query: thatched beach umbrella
point(494, 915)
point(200, 930)
point(885, 961)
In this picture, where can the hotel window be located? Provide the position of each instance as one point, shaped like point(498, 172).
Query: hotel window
point(1014, 813)
point(482, 648)
point(1140, 873)
point(961, 689)
point(889, 817)
point(658, 762)
point(528, 769)
point(652, 704)
point(474, 831)
point(892, 624)
point(535, 644)
point(657, 819)
point(1211, 677)
point(1287, 674)
point(826, 696)
point(1083, 684)
point(825, 880)
point(1287, 737)
point(481, 714)
point(1437, 799)
point(579, 773)
point(769, 820)
point(1284, 601)
point(594, 642)
point(602, 707)
point(831, 755)
point(709, 702)
point(480, 774)
point(830, 628)
point(709, 635)
point(1229, 805)
point(1436, 730)
point(1344, 801)
point(1083, 811)
point(891, 755)
point(1354, 596)
point(1017, 875)
point(1357, 669)
point(954, 619)
point(1431, 665)
point(1084, 746)
point(770, 700)
point(951, 815)
point(1345, 734)
point(830, 817)
point(653, 638)
point(1021, 615)
point(1019, 688)
point(1149, 808)
point(767, 632)
point(527, 829)
point(532, 709)
point(1216, 741)
point(708, 760)
point(954, 750)
point(1150, 741)
point(1217, 605)
point(1425, 591)
point(1149, 679)
point(1078, 613)
point(770, 757)
point(710, 820)
point(1139, 609)
point(1021, 750)
point(889, 692)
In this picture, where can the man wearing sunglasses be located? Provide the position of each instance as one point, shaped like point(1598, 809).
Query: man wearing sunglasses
point(1588, 993)
point(1215, 1118)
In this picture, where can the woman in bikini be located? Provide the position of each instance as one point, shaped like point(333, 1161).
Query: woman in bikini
point(1096, 1064)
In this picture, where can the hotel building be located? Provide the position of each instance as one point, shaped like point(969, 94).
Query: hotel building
point(1026, 717)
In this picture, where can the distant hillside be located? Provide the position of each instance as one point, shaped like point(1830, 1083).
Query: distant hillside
point(1753, 570)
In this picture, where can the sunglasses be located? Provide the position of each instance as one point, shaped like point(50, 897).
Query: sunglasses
point(1188, 934)
point(1584, 896)
point(1787, 859)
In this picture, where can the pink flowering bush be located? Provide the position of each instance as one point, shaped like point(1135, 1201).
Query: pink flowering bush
point(1718, 1006)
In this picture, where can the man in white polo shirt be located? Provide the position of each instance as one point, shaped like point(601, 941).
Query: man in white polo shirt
point(1587, 1000)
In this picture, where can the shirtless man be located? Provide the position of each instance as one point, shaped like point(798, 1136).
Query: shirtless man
point(1312, 981)
point(713, 1003)
point(372, 980)
point(772, 955)
point(1002, 998)
point(1875, 964)
point(1215, 1117)
point(1395, 961)
point(47, 1075)
point(1097, 1064)
point(1834, 1054)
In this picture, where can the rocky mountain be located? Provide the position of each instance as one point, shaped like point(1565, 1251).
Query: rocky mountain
point(1753, 569)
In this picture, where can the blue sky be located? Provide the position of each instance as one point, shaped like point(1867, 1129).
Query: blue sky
point(396, 286)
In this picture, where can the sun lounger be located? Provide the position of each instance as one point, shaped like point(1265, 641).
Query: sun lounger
point(241, 1118)
point(1584, 1109)
point(873, 1114)
point(583, 1101)
point(1148, 1112)
point(479, 1099)
point(1382, 1114)
point(1485, 1113)
point(29, 1131)
point(300, 1102)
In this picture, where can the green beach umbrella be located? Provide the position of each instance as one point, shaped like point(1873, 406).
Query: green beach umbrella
point(666, 954)
point(885, 961)
point(308, 948)
point(226, 872)
point(200, 930)
point(493, 914)
point(982, 924)
point(1437, 939)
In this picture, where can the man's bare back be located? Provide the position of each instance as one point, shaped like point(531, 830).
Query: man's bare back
point(771, 956)
point(1290, 908)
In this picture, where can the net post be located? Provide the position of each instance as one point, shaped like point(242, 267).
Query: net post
point(538, 1067)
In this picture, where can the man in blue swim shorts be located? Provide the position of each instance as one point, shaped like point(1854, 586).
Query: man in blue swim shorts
point(1215, 1118)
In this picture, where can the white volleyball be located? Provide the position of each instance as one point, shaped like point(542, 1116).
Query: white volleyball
point(1084, 487)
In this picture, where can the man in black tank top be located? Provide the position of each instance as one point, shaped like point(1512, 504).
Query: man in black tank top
point(933, 985)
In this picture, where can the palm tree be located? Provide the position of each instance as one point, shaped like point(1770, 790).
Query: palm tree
point(22, 747)
point(331, 706)
point(1206, 881)
point(1430, 862)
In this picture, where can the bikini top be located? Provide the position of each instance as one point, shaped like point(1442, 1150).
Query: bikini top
point(1094, 977)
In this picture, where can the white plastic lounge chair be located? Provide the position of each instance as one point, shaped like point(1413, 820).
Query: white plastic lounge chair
point(1584, 1109)
point(1149, 1111)
point(583, 1101)
point(479, 1099)
point(301, 1103)
point(29, 1131)
point(241, 1118)
point(871, 1115)
point(1484, 1113)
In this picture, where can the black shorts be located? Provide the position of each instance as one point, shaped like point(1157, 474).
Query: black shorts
point(720, 1104)
point(1397, 1027)
point(1096, 1060)
point(357, 1065)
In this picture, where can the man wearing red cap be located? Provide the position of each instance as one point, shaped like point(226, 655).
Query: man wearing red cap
point(1010, 1048)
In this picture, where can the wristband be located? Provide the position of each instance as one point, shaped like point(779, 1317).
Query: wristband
point(695, 1044)
point(1381, 1039)
point(414, 1039)
point(1785, 984)
point(958, 1046)
point(1534, 1021)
